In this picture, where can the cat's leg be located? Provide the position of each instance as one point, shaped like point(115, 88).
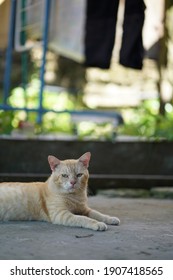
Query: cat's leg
point(66, 218)
point(93, 214)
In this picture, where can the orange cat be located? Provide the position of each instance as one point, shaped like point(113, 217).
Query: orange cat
point(62, 199)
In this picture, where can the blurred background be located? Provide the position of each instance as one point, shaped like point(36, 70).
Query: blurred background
point(80, 70)
point(142, 96)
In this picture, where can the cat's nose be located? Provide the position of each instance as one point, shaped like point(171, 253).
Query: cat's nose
point(73, 182)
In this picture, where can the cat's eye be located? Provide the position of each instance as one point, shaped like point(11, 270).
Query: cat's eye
point(79, 175)
point(64, 175)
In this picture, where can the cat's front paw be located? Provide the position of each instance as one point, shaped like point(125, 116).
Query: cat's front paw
point(113, 221)
point(100, 226)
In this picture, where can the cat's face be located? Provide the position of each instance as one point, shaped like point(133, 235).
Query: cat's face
point(70, 175)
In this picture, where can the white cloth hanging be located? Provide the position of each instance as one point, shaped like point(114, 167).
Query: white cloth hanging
point(68, 28)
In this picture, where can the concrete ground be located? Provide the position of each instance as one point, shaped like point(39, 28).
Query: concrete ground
point(146, 232)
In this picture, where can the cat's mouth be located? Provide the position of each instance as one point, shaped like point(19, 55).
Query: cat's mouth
point(72, 188)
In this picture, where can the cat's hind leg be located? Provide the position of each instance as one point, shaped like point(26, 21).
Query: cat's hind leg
point(93, 214)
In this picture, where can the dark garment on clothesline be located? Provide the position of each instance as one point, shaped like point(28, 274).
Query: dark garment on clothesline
point(132, 51)
point(101, 18)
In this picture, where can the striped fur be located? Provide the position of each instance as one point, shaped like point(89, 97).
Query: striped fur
point(62, 199)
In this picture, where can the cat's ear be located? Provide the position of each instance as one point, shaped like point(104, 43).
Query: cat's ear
point(53, 162)
point(85, 159)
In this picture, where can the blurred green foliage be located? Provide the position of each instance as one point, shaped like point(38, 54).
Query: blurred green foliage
point(145, 121)
point(52, 122)
point(6, 118)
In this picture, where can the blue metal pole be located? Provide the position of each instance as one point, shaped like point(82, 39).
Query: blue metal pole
point(8, 60)
point(45, 43)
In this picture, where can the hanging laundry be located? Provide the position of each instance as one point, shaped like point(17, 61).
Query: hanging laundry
point(101, 17)
point(100, 33)
point(132, 51)
point(84, 30)
point(68, 28)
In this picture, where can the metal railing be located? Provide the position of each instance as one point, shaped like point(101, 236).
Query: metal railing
point(17, 38)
